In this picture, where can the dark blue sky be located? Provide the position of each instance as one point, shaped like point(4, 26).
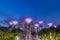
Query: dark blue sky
point(41, 9)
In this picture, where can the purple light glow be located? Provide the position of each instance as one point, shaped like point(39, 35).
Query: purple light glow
point(36, 25)
point(10, 23)
point(55, 26)
point(40, 22)
point(50, 24)
point(14, 22)
point(28, 20)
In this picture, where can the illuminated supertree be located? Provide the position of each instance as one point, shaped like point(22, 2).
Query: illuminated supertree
point(41, 24)
point(17, 38)
point(20, 23)
point(36, 26)
point(9, 22)
point(52, 33)
point(12, 23)
point(51, 24)
point(28, 27)
point(28, 22)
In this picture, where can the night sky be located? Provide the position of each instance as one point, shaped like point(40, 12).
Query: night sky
point(48, 10)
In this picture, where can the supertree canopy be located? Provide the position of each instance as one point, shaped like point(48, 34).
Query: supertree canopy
point(29, 20)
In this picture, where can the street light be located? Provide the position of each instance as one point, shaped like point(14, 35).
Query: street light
point(17, 38)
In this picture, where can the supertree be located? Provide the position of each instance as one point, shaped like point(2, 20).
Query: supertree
point(28, 27)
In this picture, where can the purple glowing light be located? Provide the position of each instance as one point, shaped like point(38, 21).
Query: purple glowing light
point(14, 22)
point(36, 25)
point(10, 23)
point(50, 24)
point(55, 26)
point(40, 22)
point(28, 20)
